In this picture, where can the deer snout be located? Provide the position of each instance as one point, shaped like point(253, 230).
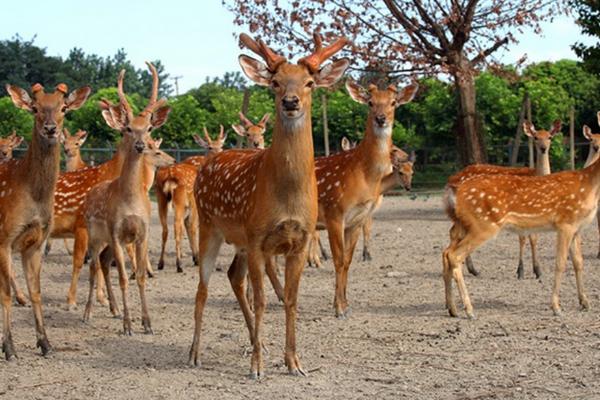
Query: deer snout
point(543, 149)
point(380, 119)
point(290, 103)
point(139, 146)
point(50, 129)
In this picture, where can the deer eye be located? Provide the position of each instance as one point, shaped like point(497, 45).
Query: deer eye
point(393, 103)
point(129, 130)
point(310, 84)
point(275, 84)
point(150, 128)
point(370, 103)
point(64, 109)
point(34, 109)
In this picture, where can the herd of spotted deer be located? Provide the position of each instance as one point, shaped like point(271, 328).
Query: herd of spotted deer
point(263, 201)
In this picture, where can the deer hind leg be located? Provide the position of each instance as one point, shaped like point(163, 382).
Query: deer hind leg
point(366, 229)
point(123, 283)
point(8, 347)
point(32, 264)
point(19, 295)
point(106, 258)
point(237, 273)
point(256, 262)
point(564, 238)
point(520, 270)
point(537, 269)
point(79, 249)
point(130, 249)
point(577, 260)
point(324, 254)
point(457, 233)
point(48, 247)
point(209, 243)
point(179, 216)
point(271, 270)
point(350, 239)
point(335, 232)
point(163, 209)
point(141, 253)
point(94, 268)
point(293, 272)
point(191, 224)
point(67, 247)
point(313, 250)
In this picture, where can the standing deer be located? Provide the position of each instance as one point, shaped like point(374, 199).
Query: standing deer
point(118, 212)
point(175, 185)
point(593, 155)
point(26, 197)
point(254, 133)
point(542, 141)
point(350, 182)
point(72, 146)
point(264, 202)
point(8, 144)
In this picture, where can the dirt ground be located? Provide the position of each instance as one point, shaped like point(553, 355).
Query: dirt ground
point(398, 343)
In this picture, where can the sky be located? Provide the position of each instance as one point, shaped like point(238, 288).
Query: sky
point(193, 38)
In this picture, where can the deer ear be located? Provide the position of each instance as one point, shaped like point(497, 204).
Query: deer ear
point(255, 70)
point(77, 98)
point(556, 126)
point(239, 130)
point(587, 132)
point(529, 129)
point(331, 73)
point(357, 92)
point(264, 120)
point(17, 140)
point(199, 141)
point(159, 117)
point(20, 97)
point(158, 142)
point(115, 116)
point(407, 94)
point(345, 143)
point(83, 135)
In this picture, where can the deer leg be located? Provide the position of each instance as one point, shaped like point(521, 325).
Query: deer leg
point(191, 223)
point(163, 209)
point(67, 247)
point(271, 270)
point(123, 283)
point(32, 264)
point(8, 347)
point(598, 220)
point(313, 251)
point(335, 232)
point(130, 249)
point(237, 273)
point(256, 262)
point(79, 249)
point(577, 260)
point(94, 264)
point(351, 238)
point(19, 295)
point(457, 233)
point(48, 246)
point(563, 242)
point(520, 271)
point(106, 258)
point(209, 243)
point(141, 253)
point(447, 274)
point(366, 229)
point(537, 270)
point(293, 272)
point(324, 254)
point(179, 215)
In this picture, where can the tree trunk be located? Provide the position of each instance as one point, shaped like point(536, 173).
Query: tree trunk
point(471, 146)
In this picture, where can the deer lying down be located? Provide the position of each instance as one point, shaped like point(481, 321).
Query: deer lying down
point(481, 207)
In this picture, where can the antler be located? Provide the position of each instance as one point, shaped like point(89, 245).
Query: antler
point(221, 132)
point(245, 120)
point(152, 103)
point(273, 59)
point(122, 98)
point(314, 61)
point(206, 135)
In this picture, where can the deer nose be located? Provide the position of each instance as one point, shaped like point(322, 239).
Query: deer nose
point(543, 149)
point(50, 129)
point(139, 146)
point(290, 103)
point(380, 119)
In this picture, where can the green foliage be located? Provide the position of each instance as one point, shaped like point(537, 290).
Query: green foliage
point(185, 119)
point(14, 119)
point(588, 12)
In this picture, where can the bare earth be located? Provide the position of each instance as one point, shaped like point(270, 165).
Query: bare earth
point(398, 343)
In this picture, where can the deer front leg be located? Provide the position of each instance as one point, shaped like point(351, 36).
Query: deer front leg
point(32, 264)
point(256, 262)
point(163, 209)
point(79, 249)
point(8, 347)
point(94, 268)
point(293, 273)
point(67, 248)
point(577, 260)
point(351, 238)
point(335, 232)
point(537, 270)
point(237, 273)
point(178, 222)
point(366, 229)
point(141, 253)
point(520, 270)
point(563, 242)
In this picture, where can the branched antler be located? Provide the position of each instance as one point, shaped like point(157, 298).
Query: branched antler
point(314, 61)
point(272, 59)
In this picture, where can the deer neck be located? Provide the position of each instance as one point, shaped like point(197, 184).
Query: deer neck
point(75, 162)
point(148, 174)
point(41, 166)
point(131, 181)
point(290, 158)
point(374, 150)
point(542, 164)
point(592, 156)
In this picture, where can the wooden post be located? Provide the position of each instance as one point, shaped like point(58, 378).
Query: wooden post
point(530, 141)
point(572, 136)
point(325, 126)
point(514, 155)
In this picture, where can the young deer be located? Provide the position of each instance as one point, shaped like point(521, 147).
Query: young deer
point(350, 182)
point(118, 212)
point(254, 133)
point(72, 146)
point(593, 155)
point(26, 197)
point(542, 141)
point(175, 185)
point(264, 202)
point(8, 144)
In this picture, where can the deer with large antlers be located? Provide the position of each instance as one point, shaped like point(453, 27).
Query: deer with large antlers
point(118, 212)
point(26, 197)
point(175, 185)
point(264, 202)
point(350, 182)
point(542, 140)
point(8, 144)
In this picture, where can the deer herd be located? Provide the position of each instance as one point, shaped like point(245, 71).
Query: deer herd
point(265, 201)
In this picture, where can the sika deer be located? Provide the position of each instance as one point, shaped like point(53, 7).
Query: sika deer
point(593, 155)
point(542, 141)
point(264, 202)
point(72, 146)
point(8, 144)
point(118, 212)
point(26, 197)
point(254, 133)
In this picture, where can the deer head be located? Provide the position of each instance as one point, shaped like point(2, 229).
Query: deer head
point(72, 143)
point(48, 109)
point(293, 84)
point(347, 144)
point(542, 138)
point(382, 103)
point(155, 156)
point(137, 128)
point(254, 133)
point(403, 166)
point(213, 146)
point(594, 139)
point(8, 144)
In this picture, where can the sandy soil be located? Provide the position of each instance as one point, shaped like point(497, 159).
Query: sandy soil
point(398, 343)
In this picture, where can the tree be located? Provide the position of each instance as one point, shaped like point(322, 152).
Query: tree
point(588, 12)
point(438, 36)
